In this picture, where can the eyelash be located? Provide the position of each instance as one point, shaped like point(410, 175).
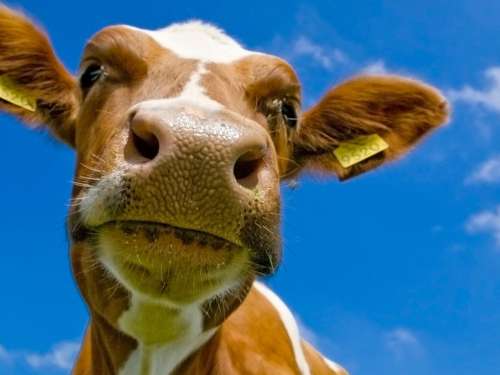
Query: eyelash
point(284, 108)
point(91, 75)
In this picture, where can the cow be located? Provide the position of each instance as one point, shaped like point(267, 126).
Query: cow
point(182, 138)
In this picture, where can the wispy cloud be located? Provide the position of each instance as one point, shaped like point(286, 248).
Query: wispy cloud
point(364, 346)
point(402, 342)
point(5, 356)
point(303, 48)
point(370, 346)
point(488, 172)
point(61, 356)
point(487, 221)
point(488, 97)
point(314, 44)
point(326, 57)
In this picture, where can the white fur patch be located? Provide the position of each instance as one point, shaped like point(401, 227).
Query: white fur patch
point(199, 41)
point(290, 326)
point(93, 203)
point(195, 91)
point(162, 359)
point(193, 95)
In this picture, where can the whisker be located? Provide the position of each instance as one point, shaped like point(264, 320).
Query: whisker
point(90, 168)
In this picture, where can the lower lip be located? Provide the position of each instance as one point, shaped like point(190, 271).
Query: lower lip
point(157, 246)
point(165, 265)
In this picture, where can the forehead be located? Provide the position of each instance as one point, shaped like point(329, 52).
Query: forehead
point(189, 41)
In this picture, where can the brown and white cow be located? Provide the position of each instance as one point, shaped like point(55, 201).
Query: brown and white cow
point(182, 138)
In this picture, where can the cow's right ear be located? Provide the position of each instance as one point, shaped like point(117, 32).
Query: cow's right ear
point(34, 85)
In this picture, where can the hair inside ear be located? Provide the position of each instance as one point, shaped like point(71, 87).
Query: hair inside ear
point(388, 115)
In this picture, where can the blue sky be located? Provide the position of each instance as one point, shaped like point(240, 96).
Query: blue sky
point(395, 272)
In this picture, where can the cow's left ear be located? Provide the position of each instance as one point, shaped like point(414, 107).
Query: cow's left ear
point(361, 116)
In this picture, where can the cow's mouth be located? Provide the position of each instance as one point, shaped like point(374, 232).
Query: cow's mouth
point(164, 261)
point(154, 230)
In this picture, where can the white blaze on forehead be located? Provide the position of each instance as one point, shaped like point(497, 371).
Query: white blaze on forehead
point(193, 95)
point(202, 42)
point(199, 41)
point(195, 91)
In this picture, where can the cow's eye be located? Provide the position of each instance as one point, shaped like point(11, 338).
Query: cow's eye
point(91, 75)
point(289, 114)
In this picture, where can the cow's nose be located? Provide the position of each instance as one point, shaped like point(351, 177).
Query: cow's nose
point(240, 151)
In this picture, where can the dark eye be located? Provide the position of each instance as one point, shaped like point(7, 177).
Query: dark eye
point(289, 114)
point(90, 76)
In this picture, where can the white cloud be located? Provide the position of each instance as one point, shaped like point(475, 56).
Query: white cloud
point(488, 97)
point(302, 47)
point(488, 172)
point(485, 222)
point(402, 343)
point(61, 356)
point(377, 67)
point(324, 56)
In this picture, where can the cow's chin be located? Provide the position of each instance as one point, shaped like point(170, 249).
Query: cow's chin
point(171, 264)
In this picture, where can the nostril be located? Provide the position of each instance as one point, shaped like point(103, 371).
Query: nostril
point(147, 145)
point(142, 145)
point(246, 169)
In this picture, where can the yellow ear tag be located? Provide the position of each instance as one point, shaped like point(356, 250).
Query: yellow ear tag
point(358, 149)
point(13, 94)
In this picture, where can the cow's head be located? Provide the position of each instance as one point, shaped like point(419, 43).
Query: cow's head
point(182, 138)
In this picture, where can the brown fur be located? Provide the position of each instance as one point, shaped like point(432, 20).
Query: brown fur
point(252, 339)
point(26, 57)
point(400, 110)
point(239, 347)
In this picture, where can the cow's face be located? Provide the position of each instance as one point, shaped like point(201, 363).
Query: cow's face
point(182, 138)
point(177, 191)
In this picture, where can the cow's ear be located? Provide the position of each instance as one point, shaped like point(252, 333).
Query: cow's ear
point(34, 85)
point(378, 118)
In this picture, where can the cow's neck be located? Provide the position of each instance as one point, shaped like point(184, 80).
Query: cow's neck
point(152, 339)
point(260, 337)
